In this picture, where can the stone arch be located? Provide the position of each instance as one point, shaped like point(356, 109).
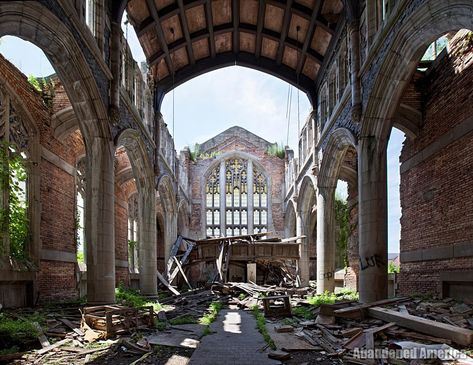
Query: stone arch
point(167, 199)
point(332, 159)
point(432, 19)
point(306, 212)
point(144, 178)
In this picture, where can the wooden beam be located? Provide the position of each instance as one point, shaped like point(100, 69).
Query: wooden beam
point(236, 23)
point(309, 36)
point(185, 29)
point(457, 334)
point(358, 310)
point(166, 284)
point(210, 27)
point(182, 272)
point(284, 31)
point(259, 27)
point(159, 30)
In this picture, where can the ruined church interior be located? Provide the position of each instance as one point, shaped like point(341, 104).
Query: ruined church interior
point(120, 243)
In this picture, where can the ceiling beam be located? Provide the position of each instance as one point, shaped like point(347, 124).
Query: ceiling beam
point(162, 41)
point(185, 29)
point(260, 24)
point(236, 23)
point(284, 30)
point(309, 35)
point(210, 27)
point(225, 28)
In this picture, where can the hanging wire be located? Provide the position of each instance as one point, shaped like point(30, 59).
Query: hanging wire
point(173, 91)
point(298, 28)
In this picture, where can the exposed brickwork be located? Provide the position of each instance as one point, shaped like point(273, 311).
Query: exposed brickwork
point(57, 281)
point(437, 208)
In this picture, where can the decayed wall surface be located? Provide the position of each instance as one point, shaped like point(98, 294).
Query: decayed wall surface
point(436, 176)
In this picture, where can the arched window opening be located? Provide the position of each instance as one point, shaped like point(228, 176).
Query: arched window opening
point(80, 212)
point(90, 15)
point(213, 204)
point(435, 48)
point(260, 202)
point(244, 207)
point(14, 146)
point(133, 239)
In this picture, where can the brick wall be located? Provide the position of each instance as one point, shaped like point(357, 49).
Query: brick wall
point(436, 193)
point(57, 281)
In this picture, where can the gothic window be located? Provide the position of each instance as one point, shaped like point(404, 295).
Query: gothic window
point(227, 215)
point(14, 147)
point(332, 90)
point(133, 240)
point(236, 197)
point(342, 69)
point(90, 15)
point(212, 194)
point(323, 105)
point(260, 202)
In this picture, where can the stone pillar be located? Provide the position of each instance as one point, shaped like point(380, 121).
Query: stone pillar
point(147, 244)
point(100, 219)
point(373, 237)
point(303, 250)
point(325, 239)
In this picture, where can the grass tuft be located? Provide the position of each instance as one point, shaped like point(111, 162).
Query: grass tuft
point(133, 298)
point(183, 320)
point(261, 326)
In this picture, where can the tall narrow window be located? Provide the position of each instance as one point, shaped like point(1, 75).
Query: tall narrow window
point(90, 15)
point(260, 202)
point(133, 243)
point(80, 212)
point(212, 195)
point(236, 196)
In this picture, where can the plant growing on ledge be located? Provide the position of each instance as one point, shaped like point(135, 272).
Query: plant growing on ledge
point(277, 149)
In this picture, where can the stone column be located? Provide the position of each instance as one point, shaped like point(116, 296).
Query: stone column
point(100, 216)
point(303, 250)
point(373, 237)
point(325, 239)
point(147, 244)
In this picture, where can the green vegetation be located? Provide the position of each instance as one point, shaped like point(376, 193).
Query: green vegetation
point(196, 153)
point(35, 83)
point(393, 268)
point(242, 296)
point(277, 149)
point(21, 331)
point(304, 312)
point(212, 313)
point(261, 326)
point(14, 219)
point(331, 298)
point(133, 298)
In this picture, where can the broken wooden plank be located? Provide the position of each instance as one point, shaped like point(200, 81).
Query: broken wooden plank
point(53, 346)
point(41, 337)
point(166, 284)
point(182, 272)
point(457, 334)
point(358, 310)
point(71, 326)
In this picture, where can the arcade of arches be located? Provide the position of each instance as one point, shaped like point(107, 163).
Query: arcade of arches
point(94, 193)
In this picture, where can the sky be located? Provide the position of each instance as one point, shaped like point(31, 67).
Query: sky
point(218, 100)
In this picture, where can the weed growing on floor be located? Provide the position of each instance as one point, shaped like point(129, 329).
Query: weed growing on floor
point(133, 298)
point(304, 312)
point(261, 326)
point(212, 313)
point(210, 317)
point(325, 298)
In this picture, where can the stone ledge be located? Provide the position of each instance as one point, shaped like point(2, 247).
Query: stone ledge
point(455, 250)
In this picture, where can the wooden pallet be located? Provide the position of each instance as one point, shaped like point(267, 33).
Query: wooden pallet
point(116, 319)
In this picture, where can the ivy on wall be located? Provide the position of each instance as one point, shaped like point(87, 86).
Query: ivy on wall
point(344, 229)
point(14, 215)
